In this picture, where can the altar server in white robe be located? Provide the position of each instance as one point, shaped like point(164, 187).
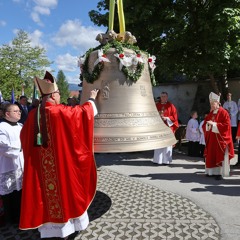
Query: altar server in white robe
point(232, 109)
point(193, 135)
point(11, 162)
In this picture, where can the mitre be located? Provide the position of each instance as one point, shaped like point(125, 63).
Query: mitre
point(47, 85)
point(213, 97)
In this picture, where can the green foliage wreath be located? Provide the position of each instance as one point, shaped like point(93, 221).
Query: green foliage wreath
point(130, 75)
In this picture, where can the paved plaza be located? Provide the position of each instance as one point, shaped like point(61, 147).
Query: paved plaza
point(138, 200)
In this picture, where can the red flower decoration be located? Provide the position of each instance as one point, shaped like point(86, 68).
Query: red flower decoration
point(104, 55)
point(138, 55)
point(150, 60)
point(121, 55)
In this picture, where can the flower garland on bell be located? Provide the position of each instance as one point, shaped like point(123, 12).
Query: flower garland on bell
point(85, 74)
point(124, 62)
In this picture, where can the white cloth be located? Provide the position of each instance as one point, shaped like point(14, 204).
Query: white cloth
point(232, 108)
point(163, 155)
point(95, 111)
point(169, 122)
point(11, 158)
point(192, 131)
point(63, 230)
point(223, 170)
point(202, 138)
point(215, 128)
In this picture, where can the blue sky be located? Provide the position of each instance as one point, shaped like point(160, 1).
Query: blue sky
point(62, 27)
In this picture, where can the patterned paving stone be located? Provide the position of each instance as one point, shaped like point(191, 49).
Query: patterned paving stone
point(126, 209)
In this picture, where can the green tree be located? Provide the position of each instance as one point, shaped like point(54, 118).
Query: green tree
point(63, 86)
point(193, 38)
point(19, 63)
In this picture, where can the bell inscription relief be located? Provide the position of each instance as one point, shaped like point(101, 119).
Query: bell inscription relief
point(105, 90)
point(143, 91)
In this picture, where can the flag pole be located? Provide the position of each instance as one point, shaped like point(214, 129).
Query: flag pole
point(12, 96)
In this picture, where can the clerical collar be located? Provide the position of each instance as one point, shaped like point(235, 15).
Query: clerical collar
point(163, 102)
point(215, 111)
point(11, 123)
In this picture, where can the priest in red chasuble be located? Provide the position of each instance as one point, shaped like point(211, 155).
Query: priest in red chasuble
point(60, 177)
point(219, 146)
point(168, 113)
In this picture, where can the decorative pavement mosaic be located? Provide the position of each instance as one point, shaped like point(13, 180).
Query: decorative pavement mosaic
point(125, 209)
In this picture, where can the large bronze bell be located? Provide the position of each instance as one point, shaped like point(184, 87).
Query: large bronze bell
point(127, 117)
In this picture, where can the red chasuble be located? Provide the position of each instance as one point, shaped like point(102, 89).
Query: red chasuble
point(216, 143)
point(59, 180)
point(168, 110)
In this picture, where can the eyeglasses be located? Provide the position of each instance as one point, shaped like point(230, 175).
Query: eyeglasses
point(16, 111)
point(57, 92)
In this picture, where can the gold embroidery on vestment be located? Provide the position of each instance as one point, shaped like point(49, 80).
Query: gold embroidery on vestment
point(50, 179)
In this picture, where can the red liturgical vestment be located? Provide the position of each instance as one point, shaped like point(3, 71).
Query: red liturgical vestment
point(168, 110)
point(217, 143)
point(60, 179)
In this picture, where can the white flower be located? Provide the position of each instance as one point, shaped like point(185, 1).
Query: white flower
point(101, 57)
point(151, 62)
point(137, 59)
point(124, 60)
point(81, 60)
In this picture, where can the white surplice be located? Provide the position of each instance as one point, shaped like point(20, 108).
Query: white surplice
point(232, 108)
point(11, 158)
point(192, 131)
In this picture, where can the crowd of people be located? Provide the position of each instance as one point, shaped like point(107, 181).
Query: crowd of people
point(212, 139)
point(47, 169)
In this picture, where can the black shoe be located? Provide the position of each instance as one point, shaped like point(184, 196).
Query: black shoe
point(207, 175)
point(237, 164)
point(219, 177)
point(73, 235)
